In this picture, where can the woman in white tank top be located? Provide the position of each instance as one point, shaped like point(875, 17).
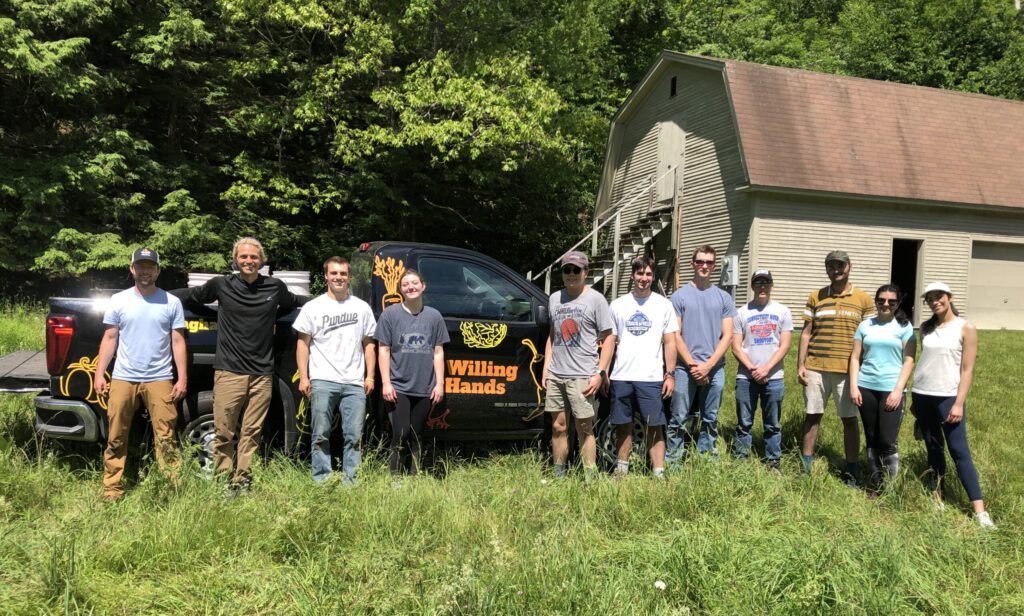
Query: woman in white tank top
point(949, 345)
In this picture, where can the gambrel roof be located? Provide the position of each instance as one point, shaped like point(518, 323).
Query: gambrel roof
point(806, 131)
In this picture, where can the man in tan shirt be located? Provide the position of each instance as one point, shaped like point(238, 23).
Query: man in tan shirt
point(831, 318)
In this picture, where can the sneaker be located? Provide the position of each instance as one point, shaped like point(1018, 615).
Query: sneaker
point(937, 502)
point(985, 520)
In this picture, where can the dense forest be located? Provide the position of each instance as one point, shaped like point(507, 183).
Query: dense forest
point(318, 124)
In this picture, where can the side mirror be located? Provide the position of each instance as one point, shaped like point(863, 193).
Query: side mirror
point(542, 314)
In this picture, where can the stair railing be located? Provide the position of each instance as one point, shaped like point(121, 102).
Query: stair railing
point(612, 216)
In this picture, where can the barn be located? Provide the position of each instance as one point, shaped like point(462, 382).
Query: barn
point(776, 167)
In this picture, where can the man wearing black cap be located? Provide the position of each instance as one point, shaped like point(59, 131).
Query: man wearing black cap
point(831, 318)
point(573, 369)
point(145, 326)
point(762, 334)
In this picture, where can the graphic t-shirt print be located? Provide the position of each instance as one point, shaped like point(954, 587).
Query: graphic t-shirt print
point(638, 324)
point(569, 327)
point(763, 328)
point(414, 342)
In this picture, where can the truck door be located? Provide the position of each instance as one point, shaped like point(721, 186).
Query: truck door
point(494, 360)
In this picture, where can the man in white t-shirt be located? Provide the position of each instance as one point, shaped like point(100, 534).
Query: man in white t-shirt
point(762, 335)
point(145, 326)
point(645, 355)
point(336, 361)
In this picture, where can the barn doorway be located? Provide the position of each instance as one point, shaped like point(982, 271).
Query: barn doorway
point(904, 273)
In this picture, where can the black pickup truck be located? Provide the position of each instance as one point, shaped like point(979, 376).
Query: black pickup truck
point(496, 319)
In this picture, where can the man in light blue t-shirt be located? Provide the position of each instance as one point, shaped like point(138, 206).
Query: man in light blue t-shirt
point(705, 315)
point(145, 326)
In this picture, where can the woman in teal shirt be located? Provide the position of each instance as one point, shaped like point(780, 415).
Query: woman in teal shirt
point(881, 363)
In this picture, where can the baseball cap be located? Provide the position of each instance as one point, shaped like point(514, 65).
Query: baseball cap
point(145, 254)
point(761, 273)
point(838, 255)
point(576, 258)
point(937, 286)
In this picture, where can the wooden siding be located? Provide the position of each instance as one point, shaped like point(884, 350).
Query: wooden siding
point(711, 210)
point(793, 235)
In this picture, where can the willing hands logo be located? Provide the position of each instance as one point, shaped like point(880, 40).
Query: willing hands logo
point(196, 325)
point(536, 359)
point(87, 367)
point(390, 272)
point(483, 335)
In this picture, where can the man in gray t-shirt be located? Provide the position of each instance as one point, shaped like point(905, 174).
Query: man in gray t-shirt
point(762, 334)
point(705, 323)
point(575, 362)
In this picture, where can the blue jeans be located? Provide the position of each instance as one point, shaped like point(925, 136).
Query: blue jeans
point(328, 398)
point(692, 402)
point(748, 393)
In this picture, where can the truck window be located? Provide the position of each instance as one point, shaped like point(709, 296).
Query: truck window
point(464, 290)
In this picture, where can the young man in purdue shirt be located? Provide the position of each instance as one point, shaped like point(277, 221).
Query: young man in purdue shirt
point(335, 357)
point(244, 365)
point(831, 318)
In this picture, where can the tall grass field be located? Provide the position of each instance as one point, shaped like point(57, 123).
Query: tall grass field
point(493, 533)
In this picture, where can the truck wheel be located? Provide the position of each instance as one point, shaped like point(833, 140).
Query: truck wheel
point(198, 437)
point(607, 452)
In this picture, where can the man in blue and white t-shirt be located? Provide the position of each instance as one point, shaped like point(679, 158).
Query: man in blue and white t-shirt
point(762, 334)
point(336, 362)
point(145, 326)
point(645, 355)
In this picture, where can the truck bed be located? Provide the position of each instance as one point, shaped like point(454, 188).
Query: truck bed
point(24, 372)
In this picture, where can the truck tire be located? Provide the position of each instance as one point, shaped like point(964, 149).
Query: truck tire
point(197, 435)
point(607, 454)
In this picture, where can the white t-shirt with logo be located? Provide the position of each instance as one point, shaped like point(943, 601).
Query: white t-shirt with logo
point(336, 331)
point(639, 330)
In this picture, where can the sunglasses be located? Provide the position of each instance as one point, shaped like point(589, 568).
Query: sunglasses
point(704, 262)
point(887, 302)
point(571, 269)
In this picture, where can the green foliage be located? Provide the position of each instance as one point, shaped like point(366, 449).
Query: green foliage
point(320, 124)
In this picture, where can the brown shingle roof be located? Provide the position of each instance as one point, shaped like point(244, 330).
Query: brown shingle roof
point(812, 131)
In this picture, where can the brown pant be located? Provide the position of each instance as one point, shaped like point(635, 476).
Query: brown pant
point(123, 400)
point(237, 394)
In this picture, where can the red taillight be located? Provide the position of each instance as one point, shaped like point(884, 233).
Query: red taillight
point(364, 246)
point(59, 330)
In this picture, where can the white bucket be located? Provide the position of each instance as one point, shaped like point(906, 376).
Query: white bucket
point(296, 281)
point(197, 279)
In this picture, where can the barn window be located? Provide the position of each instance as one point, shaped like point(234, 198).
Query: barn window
point(672, 88)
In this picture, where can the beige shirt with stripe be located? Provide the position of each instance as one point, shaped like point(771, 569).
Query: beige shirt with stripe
point(835, 319)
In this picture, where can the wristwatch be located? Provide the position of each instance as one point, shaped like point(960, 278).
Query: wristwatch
point(603, 374)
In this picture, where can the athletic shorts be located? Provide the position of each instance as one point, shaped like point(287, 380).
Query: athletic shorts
point(645, 397)
point(567, 395)
point(823, 385)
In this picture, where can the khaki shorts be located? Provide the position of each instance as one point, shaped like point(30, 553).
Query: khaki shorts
point(823, 385)
point(567, 395)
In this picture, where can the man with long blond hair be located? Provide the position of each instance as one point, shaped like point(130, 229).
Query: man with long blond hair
point(244, 363)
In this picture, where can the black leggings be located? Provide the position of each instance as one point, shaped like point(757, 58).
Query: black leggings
point(931, 413)
point(881, 433)
point(408, 416)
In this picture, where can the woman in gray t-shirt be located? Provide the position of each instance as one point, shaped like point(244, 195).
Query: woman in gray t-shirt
point(411, 338)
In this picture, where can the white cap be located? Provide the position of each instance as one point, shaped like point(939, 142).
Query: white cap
point(937, 286)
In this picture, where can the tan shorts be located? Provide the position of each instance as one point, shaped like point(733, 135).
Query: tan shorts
point(567, 395)
point(823, 385)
